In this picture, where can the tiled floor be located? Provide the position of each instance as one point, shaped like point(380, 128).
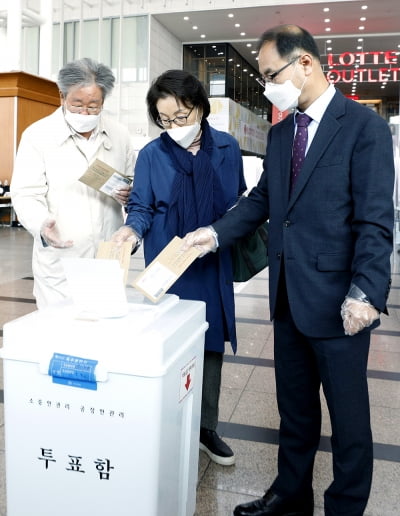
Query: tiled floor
point(248, 413)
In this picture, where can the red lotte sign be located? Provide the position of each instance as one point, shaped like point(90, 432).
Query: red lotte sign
point(363, 66)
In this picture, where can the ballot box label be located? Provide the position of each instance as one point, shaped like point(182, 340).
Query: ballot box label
point(187, 379)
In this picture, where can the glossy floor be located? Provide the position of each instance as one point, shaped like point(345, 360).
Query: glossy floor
point(248, 412)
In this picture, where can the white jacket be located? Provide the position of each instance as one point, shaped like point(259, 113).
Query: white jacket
point(45, 185)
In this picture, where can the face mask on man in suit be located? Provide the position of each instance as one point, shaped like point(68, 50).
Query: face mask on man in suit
point(283, 95)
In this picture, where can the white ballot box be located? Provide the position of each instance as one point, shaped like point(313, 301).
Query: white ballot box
point(102, 417)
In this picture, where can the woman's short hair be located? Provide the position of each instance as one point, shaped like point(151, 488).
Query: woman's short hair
point(85, 72)
point(182, 85)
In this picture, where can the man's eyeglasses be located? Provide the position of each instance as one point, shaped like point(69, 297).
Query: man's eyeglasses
point(91, 110)
point(270, 77)
point(180, 120)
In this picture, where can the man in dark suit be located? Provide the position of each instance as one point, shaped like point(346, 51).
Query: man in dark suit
point(330, 241)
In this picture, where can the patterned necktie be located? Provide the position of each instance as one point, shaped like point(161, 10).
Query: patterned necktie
point(299, 145)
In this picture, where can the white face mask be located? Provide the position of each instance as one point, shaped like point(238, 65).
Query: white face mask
point(185, 135)
point(81, 123)
point(284, 96)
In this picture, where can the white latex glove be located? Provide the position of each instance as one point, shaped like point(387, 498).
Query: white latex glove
point(50, 235)
point(121, 194)
point(357, 315)
point(204, 239)
point(125, 234)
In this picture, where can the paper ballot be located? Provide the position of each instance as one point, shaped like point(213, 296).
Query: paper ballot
point(104, 178)
point(165, 269)
point(96, 287)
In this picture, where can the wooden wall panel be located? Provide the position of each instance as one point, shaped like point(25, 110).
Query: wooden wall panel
point(7, 132)
point(24, 98)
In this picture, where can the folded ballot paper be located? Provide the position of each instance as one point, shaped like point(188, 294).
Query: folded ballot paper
point(104, 178)
point(165, 269)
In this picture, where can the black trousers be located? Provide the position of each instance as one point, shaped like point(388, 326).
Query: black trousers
point(302, 365)
point(211, 388)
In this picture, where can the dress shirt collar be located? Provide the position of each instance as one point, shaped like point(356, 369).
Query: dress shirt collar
point(317, 109)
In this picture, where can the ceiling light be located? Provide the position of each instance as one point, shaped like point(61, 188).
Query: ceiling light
point(254, 51)
point(230, 15)
point(360, 39)
point(237, 24)
point(327, 20)
point(326, 9)
point(329, 48)
point(248, 45)
point(202, 35)
point(363, 7)
point(327, 29)
point(186, 18)
point(363, 18)
point(359, 48)
point(243, 34)
point(195, 27)
point(361, 27)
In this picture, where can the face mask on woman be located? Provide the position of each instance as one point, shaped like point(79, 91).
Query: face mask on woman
point(81, 123)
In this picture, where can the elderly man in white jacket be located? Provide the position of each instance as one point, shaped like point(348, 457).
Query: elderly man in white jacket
point(66, 217)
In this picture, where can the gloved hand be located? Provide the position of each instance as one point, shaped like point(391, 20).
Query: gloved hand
point(50, 235)
point(357, 315)
point(121, 194)
point(125, 234)
point(204, 239)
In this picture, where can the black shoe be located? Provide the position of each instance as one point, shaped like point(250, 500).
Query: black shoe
point(216, 449)
point(273, 505)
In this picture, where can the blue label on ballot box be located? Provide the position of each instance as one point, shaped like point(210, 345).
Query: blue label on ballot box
point(73, 371)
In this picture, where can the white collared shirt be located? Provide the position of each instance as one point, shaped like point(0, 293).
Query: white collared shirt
point(316, 111)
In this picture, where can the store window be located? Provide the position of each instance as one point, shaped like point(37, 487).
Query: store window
point(224, 73)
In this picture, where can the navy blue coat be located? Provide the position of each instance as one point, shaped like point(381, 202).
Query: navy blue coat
point(337, 225)
point(208, 279)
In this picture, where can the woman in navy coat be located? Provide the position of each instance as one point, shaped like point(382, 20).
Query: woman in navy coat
point(190, 176)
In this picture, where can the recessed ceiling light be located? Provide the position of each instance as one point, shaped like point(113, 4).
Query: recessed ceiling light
point(360, 39)
point(255, 51)
point(237, 24)
point(329, 41)
point(248, 45)
point(363, 18)
point(202, 35)
point(361, 27)
point(230, 15)
point(329, 48)
point(326, 9)
point(243, 34)
point(327, 20)
point(186, 18)
point(327, 29)
point(364, 7)
point(359, 48)
point(195, 27)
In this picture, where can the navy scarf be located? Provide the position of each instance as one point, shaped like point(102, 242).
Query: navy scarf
point(196, 196)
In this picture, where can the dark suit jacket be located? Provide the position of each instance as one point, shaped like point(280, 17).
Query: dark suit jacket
point(337, 225)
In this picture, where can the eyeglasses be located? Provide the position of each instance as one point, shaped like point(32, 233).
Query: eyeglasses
point(180, 120)
point(91, 110)
point(270, 77)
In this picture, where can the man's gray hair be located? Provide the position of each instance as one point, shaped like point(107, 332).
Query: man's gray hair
point(85, 72)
